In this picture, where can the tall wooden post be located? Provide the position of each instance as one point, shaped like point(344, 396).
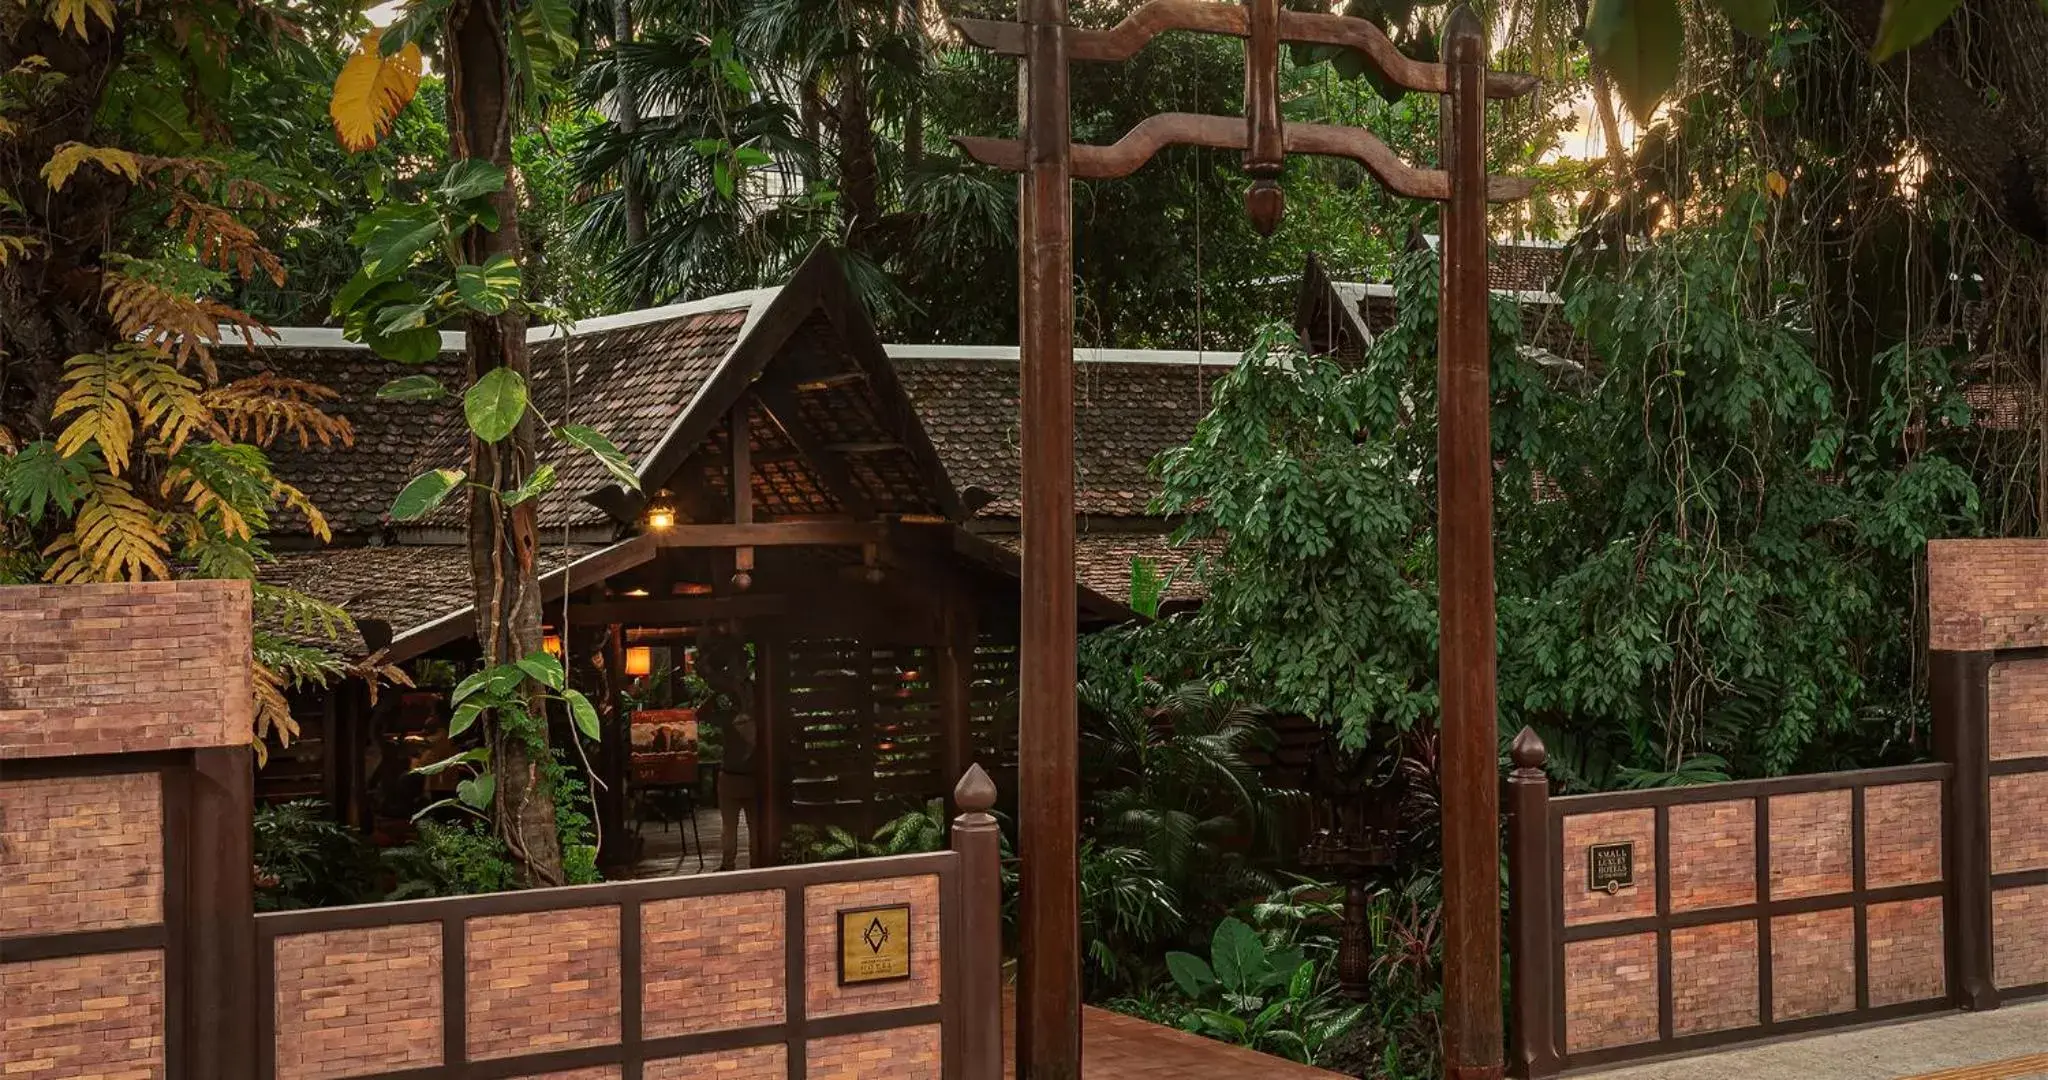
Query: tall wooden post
point(1532, 1049)
point(979, 841)
point(1049, 967)
point(1960, 686)
point(1471, 775)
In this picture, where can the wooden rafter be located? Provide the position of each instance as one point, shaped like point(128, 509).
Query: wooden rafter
point(831, 469)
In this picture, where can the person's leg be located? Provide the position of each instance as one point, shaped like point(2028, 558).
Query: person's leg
point(730, 799)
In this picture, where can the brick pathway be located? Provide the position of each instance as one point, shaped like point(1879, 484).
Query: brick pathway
point(1119, 1047)
point(2003, 1044)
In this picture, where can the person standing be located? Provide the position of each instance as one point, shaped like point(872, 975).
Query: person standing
point(722, 662)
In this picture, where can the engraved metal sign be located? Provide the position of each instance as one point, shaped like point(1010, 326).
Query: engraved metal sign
point(1611, 868)
point(874, 945)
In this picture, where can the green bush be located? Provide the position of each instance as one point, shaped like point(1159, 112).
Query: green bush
point(305, 859)
point(1271, 999)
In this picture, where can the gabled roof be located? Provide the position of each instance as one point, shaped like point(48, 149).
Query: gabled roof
point(1344, 317)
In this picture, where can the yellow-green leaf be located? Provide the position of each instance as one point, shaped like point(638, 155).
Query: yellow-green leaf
point(495, 403)
point(1906, 23)
point(372, 90)
point(68, 157)
point(72, 13)
point(424, 494)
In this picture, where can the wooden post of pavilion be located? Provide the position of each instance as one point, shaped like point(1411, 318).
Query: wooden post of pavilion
point(1048, 797)
point(1465, 682)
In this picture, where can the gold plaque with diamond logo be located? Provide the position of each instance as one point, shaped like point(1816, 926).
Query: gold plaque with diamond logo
point(874, 945)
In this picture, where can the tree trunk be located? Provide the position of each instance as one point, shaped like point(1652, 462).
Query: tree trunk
point(860, 175)
point(629, 122)
point(502, 542)
point(50, 305)
point(1610, 133)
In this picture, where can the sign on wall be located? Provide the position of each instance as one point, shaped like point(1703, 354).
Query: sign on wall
point(1611, 868)
point(874, 945)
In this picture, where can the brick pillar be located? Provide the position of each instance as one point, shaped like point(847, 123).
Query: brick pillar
point(125, 840)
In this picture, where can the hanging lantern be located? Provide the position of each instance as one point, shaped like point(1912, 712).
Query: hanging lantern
point(552, 645)
point(661, 513)
point(639, 661)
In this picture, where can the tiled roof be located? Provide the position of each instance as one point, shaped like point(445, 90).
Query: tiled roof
point(1125, 414)
point(354, 485)
point(1102, 561)
point(405, 587)
point(628, 383)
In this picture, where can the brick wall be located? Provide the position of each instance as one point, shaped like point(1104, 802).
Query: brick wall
point(81, 853)
point(1901, 834)
point(1987, 594)
point(542, 981)
point(1719, 844)
point(1905, 960)
point(1811, 853)
point(1813, 964)
point(1581, 832)
point(84, 1016)
point(1610, 992)
point(823, 996)
point(2019, 936)
point(2019, 822)
point(752, 1063)
point(1714, 978)
point(2018, 700)
point(358, 1001)
point(900, 1054)
point(712, 963)
point(109, 669)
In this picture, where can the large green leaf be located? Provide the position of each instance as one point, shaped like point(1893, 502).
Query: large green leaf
point(415, 346)
point(412, 388)
point(1238, 956)
point(415, 25)
point(584, 714)
point(494, 404)
point(591, 440)
point(1752, 17)
point(542, 479)
point(489, 288)
point(1190, 974)
point(391, 247)
point(470, 178)
point(1906, 23)
point(1639, 42)
point(476, 791)
point(542, 668)
point(424, 494)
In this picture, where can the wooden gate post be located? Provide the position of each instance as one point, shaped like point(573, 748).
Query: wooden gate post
point(1959, 684)
point(978, 840)
point(1532, 1050)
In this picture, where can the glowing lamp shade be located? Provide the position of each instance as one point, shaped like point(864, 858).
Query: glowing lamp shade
point(552, 644)
point(639, 661)
point(661, 513)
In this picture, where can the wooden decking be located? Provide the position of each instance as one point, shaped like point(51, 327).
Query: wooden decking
point(1119, 1047)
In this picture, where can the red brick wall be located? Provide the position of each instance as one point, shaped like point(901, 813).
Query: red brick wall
point(1902, 834)
point(1581, 832)
point(1987, 594)
point(2019, 822)
point(1905, 958)
point(542, 981)
point(108, 669)
point(823, 996)
point(712, 963)
point(2018, 700)
point(1610, 992)
point(753, 1063)
point(357, 1001)
point(1718, 841)
point(2019, 936)
point(1810, 844)
point(599, 1072)
point(1813, 963)
point(81, 853)
point(900, 1054)
point(1713, 978)
point(98, 1017)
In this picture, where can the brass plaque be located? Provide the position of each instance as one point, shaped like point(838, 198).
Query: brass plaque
point(874, 945)
point(1611, 868)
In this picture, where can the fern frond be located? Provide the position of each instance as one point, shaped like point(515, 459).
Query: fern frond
point(222, 240)
point(299, 613)
point(227, 485)
point(167, 399)
point(13, 247)
point(67, 158)
point(97, 398)
point(292, 497)
point(159, 304)
point(115, 537)
point(263, 407)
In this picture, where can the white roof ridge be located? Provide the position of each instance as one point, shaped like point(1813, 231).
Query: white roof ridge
point(328, 337)
point(1385, 289)
point(1082, 355)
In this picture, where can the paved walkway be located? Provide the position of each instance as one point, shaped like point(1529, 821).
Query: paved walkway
point(2003, 1044)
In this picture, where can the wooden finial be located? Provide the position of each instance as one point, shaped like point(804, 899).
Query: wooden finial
point(975, 793)
point(1527, 751)
point(1464, 37)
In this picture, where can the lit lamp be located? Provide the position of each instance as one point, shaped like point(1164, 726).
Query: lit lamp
point(661, 513)
point(639, 661)
point(552, 645)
